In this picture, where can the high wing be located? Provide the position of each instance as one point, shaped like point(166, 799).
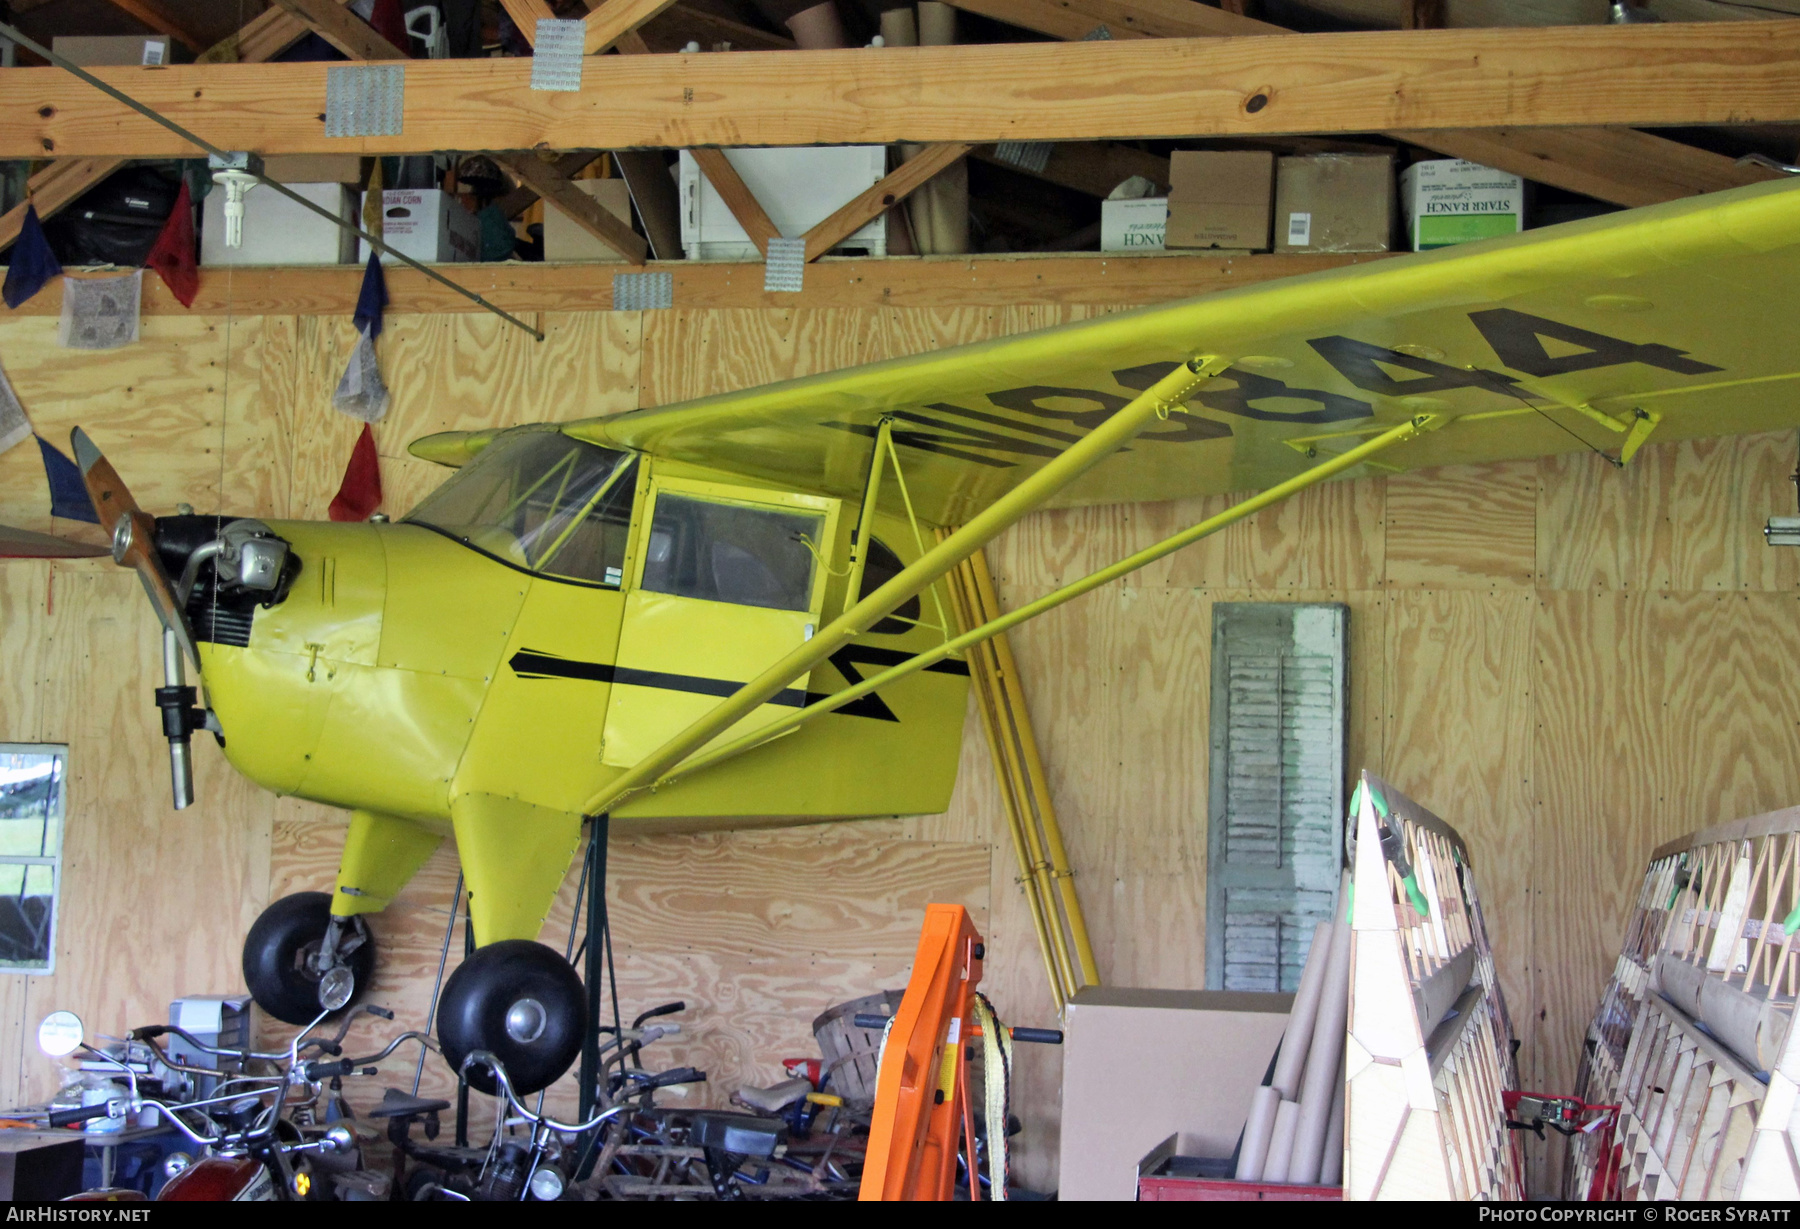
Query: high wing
point(1669, 323)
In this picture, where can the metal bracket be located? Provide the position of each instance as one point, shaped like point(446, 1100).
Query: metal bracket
point(636, 292)
point(364, 100)
point(557, 55)
point(784, 266)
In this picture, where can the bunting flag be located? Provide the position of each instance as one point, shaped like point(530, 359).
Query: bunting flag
point(361, 393)
point(14, 426)
point(360, 493)
point(371, 300)
point(173, 255)
point(389, 21)
point(33, 263)
point(68, 493)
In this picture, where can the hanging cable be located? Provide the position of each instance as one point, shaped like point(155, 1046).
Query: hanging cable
point(25, 41)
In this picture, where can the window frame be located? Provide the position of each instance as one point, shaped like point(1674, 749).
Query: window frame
point(52, 859)
point(749, 497)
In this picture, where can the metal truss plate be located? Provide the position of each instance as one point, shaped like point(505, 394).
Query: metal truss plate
point(556, 55)
point(364, 100)
point(636, 292)
point(784, 268)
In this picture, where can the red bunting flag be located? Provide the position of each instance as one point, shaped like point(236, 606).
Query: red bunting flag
point(360, 493)
point(389, 21)
point(173, 255)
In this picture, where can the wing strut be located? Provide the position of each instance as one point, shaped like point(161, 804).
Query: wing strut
point(1150, 406)
point(1256, 503)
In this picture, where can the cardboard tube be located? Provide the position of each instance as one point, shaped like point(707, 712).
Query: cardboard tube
point(898, 28)
point(1298, 1038)
point(1253, 1153)
point(1331, 1166)
point(1281, 1143)
point(937, 24)
point(1323, 1060)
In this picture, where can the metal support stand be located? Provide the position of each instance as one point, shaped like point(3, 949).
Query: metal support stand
point(592, 972)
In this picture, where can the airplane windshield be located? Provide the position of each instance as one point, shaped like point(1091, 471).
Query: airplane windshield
point(539, 500)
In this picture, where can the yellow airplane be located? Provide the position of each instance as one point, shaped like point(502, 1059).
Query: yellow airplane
point(727, 612)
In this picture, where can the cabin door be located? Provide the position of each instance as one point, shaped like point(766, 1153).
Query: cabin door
point(728, 581)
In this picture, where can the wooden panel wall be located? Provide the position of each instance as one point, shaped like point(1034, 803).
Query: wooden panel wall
point(1569, 662)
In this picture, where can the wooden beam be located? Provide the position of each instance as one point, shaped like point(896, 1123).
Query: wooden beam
point(608, 21)
point(337, 25)
point(1102, 278)
point(266, 36)
point(737, 196)
point(889, 191)
point(158, 18)
point(519, 199)
point(526, 14)
point(1645, 75)
point(1612, 164)
point(584, 210)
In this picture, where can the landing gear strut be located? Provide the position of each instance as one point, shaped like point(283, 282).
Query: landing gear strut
point(297, 956)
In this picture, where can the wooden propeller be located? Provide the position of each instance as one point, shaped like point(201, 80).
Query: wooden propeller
point(133, 534)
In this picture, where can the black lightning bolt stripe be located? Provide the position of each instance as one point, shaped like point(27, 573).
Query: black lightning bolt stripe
point(530, 664)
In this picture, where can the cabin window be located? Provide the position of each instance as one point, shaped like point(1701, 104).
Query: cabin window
point(32, 791)
point(1280, 708)
point(730, 552)
point(539, 500)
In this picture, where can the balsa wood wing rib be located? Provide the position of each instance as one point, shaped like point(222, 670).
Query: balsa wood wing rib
point(1677, 321)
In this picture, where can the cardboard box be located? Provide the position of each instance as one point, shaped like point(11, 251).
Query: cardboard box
point(428, 224)
point(1220, 199)
point(564, 238)
point(797, 187)
point(279, 232)
point(1133, 225)
point(91, 51)
point(1448, 201)
point(315, 168)
point(1334, 203)
point(1142, 1065)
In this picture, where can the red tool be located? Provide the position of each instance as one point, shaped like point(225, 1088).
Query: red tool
point(1533, 1111)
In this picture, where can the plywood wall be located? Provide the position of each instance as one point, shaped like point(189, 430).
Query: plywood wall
point(1568, 662)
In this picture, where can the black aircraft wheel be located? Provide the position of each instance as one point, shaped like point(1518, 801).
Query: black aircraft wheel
point(278, 955)
point(520, 1001)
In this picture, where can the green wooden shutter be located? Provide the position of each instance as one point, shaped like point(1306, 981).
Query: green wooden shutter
point(1280, 708)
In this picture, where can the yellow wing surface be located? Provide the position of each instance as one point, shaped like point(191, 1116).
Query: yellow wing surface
point(1665, 323)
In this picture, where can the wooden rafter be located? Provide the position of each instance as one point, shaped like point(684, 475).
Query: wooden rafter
point(889, 191)
point(544, 179)
point(1611, 164)
point(607, 22)
point(1636, 76)
point(337, 25)
point(737, 196)
point(526, 14)
point(153, 14)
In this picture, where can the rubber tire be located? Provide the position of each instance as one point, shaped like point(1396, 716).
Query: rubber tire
point(472, 1011)
point(272, 951)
